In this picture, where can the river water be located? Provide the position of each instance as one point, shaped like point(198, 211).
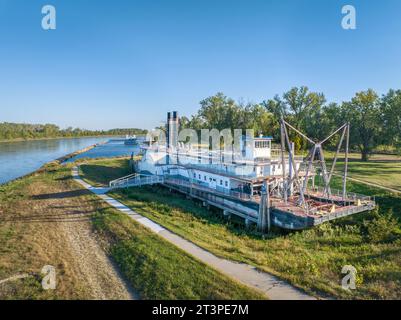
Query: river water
point(23, 157)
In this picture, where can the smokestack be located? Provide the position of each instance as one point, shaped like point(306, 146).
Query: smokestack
point(172, 131)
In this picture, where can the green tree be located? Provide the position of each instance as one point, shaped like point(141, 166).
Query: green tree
point(299, 106)
point(219, 112)
point(364, 114)
point(391, 118)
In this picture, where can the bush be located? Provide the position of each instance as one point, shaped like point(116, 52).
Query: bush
point(382, 228)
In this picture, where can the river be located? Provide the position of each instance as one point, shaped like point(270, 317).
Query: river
point(23, 157)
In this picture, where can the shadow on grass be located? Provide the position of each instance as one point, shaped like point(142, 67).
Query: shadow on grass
point(61, 195)
point(70, 216)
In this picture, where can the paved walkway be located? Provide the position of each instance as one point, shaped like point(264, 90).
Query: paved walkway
point(274, 288)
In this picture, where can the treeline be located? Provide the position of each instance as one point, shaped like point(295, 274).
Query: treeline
point(13, 131)
point(375, 120)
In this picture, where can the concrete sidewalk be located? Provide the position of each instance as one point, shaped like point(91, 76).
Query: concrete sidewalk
point(274, 288)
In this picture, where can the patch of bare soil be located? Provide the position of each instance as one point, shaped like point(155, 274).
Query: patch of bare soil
point(52, 226)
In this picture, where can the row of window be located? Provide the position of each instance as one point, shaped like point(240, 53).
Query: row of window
point(262, 144)
point(278, 167)
point(211, 179)
point(273, 168)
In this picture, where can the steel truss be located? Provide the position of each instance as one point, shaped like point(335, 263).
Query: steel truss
point(315, 150)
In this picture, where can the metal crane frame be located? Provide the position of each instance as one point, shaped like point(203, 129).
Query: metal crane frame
point(317, 148)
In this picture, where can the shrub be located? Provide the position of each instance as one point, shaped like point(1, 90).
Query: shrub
point(382, 228)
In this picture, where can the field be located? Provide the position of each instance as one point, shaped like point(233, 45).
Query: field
point(48, 219)
point(310, 259)
point(383, 170)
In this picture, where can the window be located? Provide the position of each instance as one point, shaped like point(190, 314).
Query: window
point(226, 183)
point(200, 177)
point(204, 178)
point(221, 182)
point(194, 175)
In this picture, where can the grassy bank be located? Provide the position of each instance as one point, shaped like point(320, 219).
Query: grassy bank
point(39, 218)
point(311, 259)
point(100, 172)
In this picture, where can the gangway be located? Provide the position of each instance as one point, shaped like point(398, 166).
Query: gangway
point(135, 180)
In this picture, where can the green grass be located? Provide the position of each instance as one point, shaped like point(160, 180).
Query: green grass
point(25, 246)
point(158, 269)
point(155, 268)
point(380, 169)
point(100, 172)
point(311, 259)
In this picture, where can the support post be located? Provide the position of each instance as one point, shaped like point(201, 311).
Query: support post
point(293, 164)
point(327, 189)
point(261, 215)
point(283, 160)
point(308, 169)
point(291, 170)
point(337, 152)
point(226, 213)
point(268, 207)
point(346, 163)
point(264, 209)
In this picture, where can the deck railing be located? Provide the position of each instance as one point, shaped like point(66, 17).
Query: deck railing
point(219, 191)
point(135, 180)
point(338, 194)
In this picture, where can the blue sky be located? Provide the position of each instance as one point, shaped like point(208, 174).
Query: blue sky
point(125, 63)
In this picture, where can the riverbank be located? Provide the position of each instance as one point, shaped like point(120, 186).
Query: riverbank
point(55, 161)
point(56, 138)
point(48, 219)
point(74, 154)
point(17, 159)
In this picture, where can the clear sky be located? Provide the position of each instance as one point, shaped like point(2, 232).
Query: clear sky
point(125, 63)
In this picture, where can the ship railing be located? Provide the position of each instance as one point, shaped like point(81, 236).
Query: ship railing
point(135, 180)
point(338, 194)
point(217, 191)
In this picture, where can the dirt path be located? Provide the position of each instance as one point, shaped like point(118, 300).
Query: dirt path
point(58, 216)
point(98, 273)
point(273, 287)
